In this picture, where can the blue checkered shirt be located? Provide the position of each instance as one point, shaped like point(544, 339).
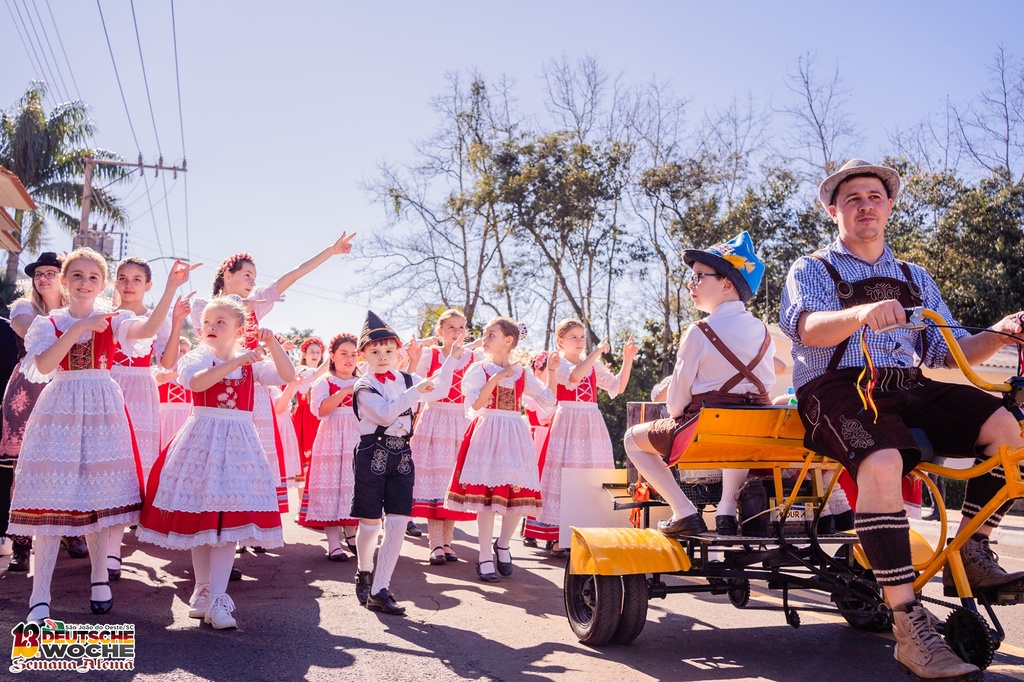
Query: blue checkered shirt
point(809, 288)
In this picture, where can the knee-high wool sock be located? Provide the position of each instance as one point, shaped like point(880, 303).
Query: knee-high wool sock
point(652, 467)
point(97, 543)
point(46, 550)
point(366, 544)
point(390, 550)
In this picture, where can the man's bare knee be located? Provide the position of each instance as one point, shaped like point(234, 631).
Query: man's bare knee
point(879, 482)
point(1000, 429)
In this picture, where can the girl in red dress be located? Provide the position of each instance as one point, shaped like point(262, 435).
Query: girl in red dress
point(304, 420)
point(213, 486)
point(496, 470)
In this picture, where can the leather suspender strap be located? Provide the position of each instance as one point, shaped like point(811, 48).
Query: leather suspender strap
point(743, 371)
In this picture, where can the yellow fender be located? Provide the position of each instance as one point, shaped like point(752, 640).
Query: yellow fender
point(921, 553)
point(625, 551)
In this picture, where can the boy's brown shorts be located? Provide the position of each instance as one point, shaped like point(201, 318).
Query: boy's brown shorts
point(839, 427)
point(662, 432)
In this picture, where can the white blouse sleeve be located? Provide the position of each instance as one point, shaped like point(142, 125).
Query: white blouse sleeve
point(539, 393)
point(423, 366)
point(263, 299)
point(196, 314)
point(162, 338)
point(606, 380)
point(320, 392)
point(563, 372)
point(308, 375)
point(191, 364)
point(473, 382)
point(121, 324)
point(265, 373)
point(39, 337)
point(22, 307)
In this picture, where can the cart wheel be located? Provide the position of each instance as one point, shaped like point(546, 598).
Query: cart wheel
point(634, 609)
point(593, 604)
point(864, 609)
point(739, 592)
point(970, 637)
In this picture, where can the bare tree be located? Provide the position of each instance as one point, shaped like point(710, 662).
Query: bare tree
point(822, 132)
point(736, 138)
point(992, 129)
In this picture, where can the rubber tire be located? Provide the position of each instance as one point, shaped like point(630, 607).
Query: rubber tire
point(635, 595)
point(872, 620)
point(593, 605)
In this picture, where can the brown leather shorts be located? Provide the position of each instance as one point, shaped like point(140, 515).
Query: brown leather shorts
point(839, 427)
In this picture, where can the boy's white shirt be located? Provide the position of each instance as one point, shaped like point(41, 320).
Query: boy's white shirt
point(701, 368)
point(386, 408)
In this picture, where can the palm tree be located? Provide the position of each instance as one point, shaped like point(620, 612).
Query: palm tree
point(48, 153)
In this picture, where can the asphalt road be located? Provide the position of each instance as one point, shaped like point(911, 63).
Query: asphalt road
point(298, 619)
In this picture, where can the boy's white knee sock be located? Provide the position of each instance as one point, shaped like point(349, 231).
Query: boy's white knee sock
point(390, 549)
point(366, 544)
point(732, 481)
point(653, 468)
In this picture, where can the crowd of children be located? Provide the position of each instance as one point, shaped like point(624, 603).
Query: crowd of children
point(113, 419)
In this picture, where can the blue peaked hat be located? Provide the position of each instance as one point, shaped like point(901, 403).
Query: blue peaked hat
point(734, 259)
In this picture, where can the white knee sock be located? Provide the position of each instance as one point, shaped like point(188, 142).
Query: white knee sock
point(448, 533)
point(732, 481)
point(435, 534)
point(115, 536)
point(653, 468)
point(509, 526)
point(333, 538)
point(46, 548)
point(390, 549)
point(222, 558)
point(366, 544)
point(485, 533)
point(201, 566)
point(97, 543)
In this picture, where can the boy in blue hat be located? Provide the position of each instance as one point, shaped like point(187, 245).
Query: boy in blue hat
point(725, 359)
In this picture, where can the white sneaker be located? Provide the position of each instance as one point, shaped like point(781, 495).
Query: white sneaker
point(199, 602)
point(218, 614)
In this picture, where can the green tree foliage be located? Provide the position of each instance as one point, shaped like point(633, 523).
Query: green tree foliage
point(47, 152)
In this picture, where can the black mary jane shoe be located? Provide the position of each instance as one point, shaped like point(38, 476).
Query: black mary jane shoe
point(38, 621)
point(350, 543)
point(412, 530)
point(385, 603)
point(114, 574)
point(437, 559)
point(449, 554)
point(101, 607)
point(504, 567)
point(338, 555)
point(490, 577)
point(236, 574)
point(529, 542)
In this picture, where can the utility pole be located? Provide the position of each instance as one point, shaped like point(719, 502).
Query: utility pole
point(83, 224)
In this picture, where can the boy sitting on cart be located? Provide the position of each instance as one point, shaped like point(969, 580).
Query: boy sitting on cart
point(727, 359)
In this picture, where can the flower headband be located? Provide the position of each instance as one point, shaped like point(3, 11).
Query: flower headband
point(309, 342)
point(340, 338)
point(230, 261)
point(541, 361)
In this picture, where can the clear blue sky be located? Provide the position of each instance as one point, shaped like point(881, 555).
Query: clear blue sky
point(288, 106)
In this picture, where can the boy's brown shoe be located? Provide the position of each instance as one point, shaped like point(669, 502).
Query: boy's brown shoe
point(921, 650)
